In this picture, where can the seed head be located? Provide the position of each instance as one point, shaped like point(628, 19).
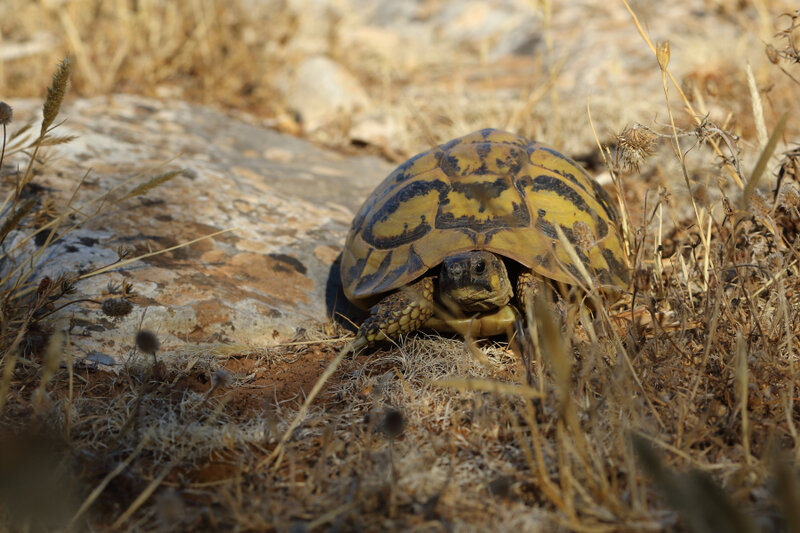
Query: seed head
point(393, 423)
point(147, 342)
point(759, 205)
point(634, 145)
point(772, 54)
point(789, 197)
point(6, 114)
point(56, 93)
point(220, 378)
point(116, 307)
point(662, 55)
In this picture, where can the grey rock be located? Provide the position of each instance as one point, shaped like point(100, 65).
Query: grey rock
point(287, 204)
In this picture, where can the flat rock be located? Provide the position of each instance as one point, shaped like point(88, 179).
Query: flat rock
point(286, 206)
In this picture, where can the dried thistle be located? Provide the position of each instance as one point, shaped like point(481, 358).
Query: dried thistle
point(790, 168)
point(116, 307)
point(124, 252)
point(127, 289)
point(124, 289)
point(55, 94)
point(789, 197)
point(634, 145)
point(67, 283)
point(760, 205)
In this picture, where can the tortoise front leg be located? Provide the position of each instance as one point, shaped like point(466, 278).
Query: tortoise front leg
point(528, 284)
point(401, 312)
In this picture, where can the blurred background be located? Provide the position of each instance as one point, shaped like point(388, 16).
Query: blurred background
point(394, 76)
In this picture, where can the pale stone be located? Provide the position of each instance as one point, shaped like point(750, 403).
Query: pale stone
point(323, 91)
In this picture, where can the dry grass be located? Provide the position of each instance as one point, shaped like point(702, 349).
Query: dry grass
point(675, 409)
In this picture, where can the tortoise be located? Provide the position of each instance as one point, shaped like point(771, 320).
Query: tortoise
point(453, 226)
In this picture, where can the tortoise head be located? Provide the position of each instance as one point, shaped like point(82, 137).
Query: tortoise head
point(474, 281)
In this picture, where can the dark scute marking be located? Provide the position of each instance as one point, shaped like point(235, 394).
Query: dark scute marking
point(414, 263)
point(604, 276)
point(519, 217)
point(449, 165)
point(487, 132)
point(407, 236)
point(513, 160)
point(293, 262)
point(483, 149)
point(618, 268)
point(553, 184)
point(354, 272)
point(547, 228)
point(542, 213)
point(567, 175)
point(543, 260)
point(483, 191)
point(570, 235)
point(573, 270)
point(449, 144)
point(416, 188)
point(605, 202)
point(602, 228)
point(368, 280)
point(401, 170)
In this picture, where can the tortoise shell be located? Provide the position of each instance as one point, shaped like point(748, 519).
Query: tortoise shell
point(489, 190)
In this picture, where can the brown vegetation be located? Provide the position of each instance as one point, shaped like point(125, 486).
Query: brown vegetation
point(675, 409)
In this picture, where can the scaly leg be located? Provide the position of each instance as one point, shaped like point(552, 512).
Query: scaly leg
point(528, 284)
point(401, 312)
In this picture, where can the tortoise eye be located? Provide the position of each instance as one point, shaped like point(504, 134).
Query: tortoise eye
point(480, 267)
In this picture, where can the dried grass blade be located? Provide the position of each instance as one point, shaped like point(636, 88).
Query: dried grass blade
point(90, 499)
point(51, 359)
point(487, 385)
point(741, 388)
point(152, 183)
point(763, 159)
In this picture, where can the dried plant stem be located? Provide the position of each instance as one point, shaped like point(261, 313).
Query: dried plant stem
point(3, 149)
point(676, 146)
point(627, 228)
point(9, 361)
point(742, 389)
point(695, 116)
point(763, 159)
point(125, 262)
